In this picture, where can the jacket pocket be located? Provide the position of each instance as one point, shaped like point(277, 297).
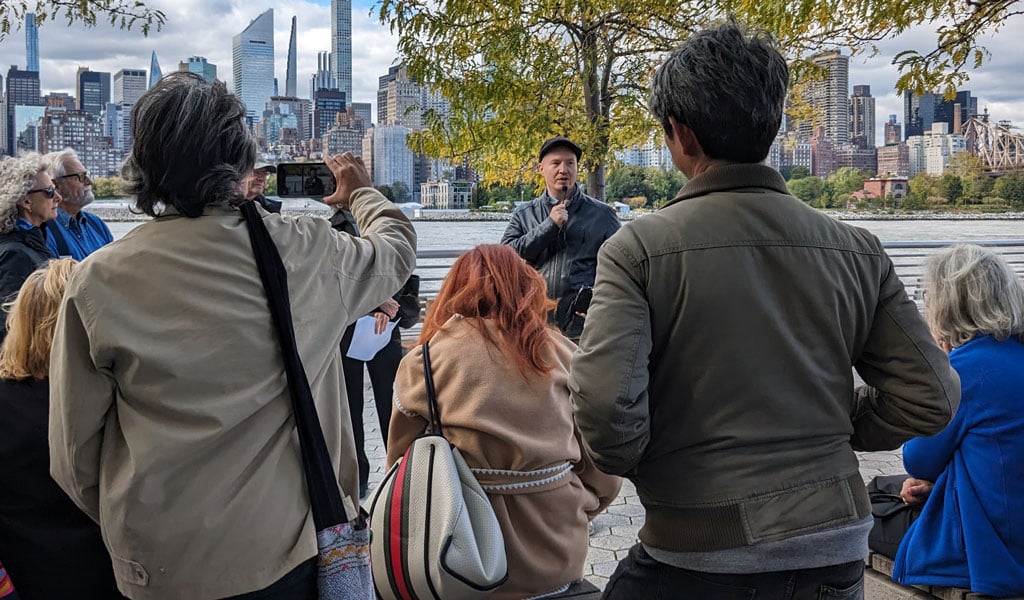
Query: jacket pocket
point(853, 592)
point(803, 508)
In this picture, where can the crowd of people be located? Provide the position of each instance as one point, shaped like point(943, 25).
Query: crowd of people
point(706, 352)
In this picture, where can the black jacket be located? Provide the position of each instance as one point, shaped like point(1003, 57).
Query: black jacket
point(565, 256)
point(21, 252)
point(49, 547)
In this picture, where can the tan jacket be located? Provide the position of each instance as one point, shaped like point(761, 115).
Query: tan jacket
point(499, 420)
point(170, 422)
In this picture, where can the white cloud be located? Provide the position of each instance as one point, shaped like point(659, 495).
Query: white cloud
point(206, 28)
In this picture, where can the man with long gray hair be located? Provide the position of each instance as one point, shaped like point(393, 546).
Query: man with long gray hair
point(75, 232)
point(716, 365)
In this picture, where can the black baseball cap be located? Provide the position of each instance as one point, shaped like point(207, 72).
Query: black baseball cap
point(556, 142)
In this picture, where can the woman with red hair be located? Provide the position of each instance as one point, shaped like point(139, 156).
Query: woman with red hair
point(501, 375)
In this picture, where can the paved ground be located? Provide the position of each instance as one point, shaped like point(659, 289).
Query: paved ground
point(615, 529)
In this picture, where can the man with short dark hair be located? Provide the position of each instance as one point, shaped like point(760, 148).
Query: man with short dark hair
point(257, 181)
point(75, 232)
point(716, 366)
point(560, 231)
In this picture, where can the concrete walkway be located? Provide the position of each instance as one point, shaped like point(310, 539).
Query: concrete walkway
point(616, 528)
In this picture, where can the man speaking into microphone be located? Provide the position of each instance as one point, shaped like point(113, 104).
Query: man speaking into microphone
point(560, 232)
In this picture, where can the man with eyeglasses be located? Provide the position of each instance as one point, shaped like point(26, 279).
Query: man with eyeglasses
point(256, 182)
point(75, 232)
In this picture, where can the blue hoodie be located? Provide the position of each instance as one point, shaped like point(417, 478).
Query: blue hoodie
point(971, 530)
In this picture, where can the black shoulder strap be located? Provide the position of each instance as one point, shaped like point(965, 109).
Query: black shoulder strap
point(321, 480)
point(434, 424)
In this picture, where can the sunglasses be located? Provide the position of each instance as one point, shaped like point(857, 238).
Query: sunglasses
point(82, 177)
point(50, 191)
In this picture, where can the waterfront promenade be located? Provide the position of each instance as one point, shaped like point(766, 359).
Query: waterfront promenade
point(616, 528)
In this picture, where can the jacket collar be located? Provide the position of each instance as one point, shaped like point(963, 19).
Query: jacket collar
point(34, 238)
point(731, 177)
point(64, 217)
point(218, 208)
point(570, 201)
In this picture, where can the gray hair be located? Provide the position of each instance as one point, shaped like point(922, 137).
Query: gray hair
point(971, 291)
point(728, 86)
point(17, 176)
point(191, 146)
point(55, 162)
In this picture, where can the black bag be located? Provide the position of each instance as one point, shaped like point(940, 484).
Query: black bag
point(892, 516)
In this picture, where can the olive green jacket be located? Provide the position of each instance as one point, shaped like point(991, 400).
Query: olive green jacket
point(716, 366)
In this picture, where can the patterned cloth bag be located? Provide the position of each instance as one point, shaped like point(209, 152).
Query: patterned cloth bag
point(343, 543)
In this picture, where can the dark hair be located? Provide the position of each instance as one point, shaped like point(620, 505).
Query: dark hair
point(729, 87)
point(191, 145)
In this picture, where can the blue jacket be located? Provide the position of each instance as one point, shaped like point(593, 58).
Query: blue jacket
point(76, 237)
point(971, 530)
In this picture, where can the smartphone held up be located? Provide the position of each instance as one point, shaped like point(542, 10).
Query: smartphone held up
point(304, 180)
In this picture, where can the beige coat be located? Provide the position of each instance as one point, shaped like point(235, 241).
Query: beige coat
point(499, 420)
point(170, 422)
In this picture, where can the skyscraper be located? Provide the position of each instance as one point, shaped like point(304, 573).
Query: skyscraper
point(326, 106)
point(22, 90)
point(341, 45)
point(93, 90)
point(918, 113)
point(893, 132)
point(323, 79)
point(129, 85)
point(199, 66)
point(31, 43)
point(956, 112)
point(862, 117)
point(253, 64)
point(829, 98)
point(290, 76)
point(154, 70)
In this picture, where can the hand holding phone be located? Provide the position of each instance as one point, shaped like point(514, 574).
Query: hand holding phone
point(350, 174)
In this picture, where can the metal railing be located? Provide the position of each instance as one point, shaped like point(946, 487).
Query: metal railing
point(908, 258)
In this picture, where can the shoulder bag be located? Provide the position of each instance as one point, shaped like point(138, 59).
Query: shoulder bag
point(343, 543)
point(893, 517)
point(435, 534)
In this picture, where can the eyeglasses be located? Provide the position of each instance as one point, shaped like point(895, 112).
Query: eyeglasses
point(50, 191)
point(82, 177)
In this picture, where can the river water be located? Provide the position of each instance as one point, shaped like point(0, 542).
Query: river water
point(436, 235)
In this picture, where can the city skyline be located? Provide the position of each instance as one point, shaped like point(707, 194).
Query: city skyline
point(190, 31)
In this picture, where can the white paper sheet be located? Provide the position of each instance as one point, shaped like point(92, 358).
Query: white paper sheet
point(365, 343)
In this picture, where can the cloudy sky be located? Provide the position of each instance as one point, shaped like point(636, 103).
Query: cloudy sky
point(206, 27)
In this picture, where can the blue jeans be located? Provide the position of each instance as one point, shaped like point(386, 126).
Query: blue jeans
point(640, 576)
point(298, 584)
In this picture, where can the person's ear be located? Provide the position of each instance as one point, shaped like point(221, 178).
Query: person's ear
point(687, 140)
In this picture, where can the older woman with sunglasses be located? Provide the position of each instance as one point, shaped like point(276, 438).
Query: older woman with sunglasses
point(28, 199)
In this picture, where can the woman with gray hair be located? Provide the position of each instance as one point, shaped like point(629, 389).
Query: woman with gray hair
point(171, 423)
point(970, 477)
point(27, 200)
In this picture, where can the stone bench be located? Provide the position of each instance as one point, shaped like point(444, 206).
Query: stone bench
point(878, 585)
